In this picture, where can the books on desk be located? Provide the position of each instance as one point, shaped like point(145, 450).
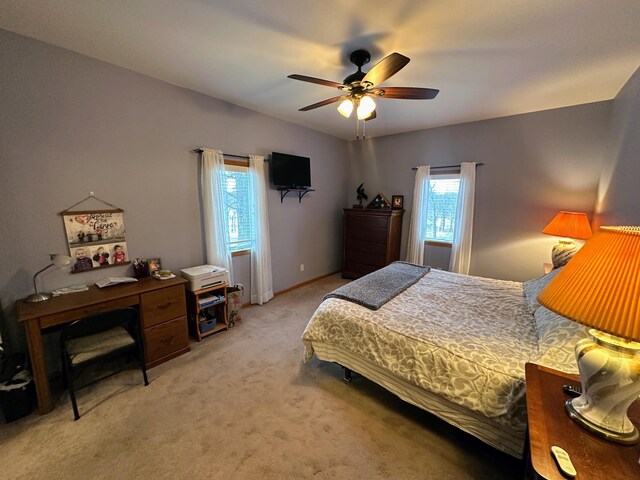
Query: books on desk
point(208, 300)
point(109, 281)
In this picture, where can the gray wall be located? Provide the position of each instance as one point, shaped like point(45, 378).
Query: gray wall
point(535, 165)
point(619, 196)
point(70, 124)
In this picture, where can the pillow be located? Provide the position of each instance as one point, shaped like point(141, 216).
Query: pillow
point(557, 337)
point(532, 288)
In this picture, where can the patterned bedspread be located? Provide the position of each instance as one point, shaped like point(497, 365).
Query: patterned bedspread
point(464, 338)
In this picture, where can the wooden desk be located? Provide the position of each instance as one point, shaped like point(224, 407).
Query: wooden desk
point(162, 316)
point(593, 457)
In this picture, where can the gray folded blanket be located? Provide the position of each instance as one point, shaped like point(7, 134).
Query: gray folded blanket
point(377, 288)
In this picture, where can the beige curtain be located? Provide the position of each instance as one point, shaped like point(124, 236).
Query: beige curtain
point(417, 227)
point(261, 277)
point(214, 210)
point(463, 231)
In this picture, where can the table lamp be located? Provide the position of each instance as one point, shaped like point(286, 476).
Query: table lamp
point(569, 225)
point(600, 288)
point(58, 261)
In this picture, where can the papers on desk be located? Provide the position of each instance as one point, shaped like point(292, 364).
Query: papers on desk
point(71, 289)
point(109, 281)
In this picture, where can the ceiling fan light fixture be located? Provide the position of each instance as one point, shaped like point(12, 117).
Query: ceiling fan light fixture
point(366, 107)
point(358, 90)
point(346, 107)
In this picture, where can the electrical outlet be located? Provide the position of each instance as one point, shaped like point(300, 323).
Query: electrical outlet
point(302, 267)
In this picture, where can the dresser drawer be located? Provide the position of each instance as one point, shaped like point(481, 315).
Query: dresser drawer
point(356, 270)
point(165, 339)
point(71, 315)
point(369, 222)
point(367, 235)
point(365, 258)
point(365, 246)
point(162, 305)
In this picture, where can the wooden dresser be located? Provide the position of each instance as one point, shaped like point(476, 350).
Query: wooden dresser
point(371, 240)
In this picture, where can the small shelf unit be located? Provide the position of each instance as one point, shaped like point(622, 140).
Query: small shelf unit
point(201, 318)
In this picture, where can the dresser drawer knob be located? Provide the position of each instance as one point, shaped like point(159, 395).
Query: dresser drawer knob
point(164, 305)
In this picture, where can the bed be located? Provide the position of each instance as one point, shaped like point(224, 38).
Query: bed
point(454, 345)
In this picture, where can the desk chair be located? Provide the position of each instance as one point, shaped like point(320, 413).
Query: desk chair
point(99, 337)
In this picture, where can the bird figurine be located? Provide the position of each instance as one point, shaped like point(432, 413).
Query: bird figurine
point(361, 195)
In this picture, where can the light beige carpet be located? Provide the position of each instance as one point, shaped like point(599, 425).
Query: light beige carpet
point(241, 405)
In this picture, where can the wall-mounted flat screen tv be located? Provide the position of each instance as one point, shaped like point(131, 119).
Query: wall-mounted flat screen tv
point(290, 170)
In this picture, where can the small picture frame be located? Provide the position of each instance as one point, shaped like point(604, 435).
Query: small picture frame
point(397, 202)
point(154, 265)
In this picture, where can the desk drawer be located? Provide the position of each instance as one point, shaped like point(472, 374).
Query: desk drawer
point(71, 315)
point(165, 339)
point(162, 305)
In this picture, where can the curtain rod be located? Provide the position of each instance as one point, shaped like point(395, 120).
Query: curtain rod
point(447, 167)
point(200, 150)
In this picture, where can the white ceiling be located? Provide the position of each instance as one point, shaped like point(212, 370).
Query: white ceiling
point(489, 58)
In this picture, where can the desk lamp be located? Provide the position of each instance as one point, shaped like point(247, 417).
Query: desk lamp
point(569, 225)
point(600, 288)
point(58, 261)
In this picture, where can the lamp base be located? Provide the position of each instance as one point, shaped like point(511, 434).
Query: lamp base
point(630, 438)
point(610, 376)
point(562, 252)
point(37, 297)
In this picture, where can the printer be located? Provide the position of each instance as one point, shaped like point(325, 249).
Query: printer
point(205, 276)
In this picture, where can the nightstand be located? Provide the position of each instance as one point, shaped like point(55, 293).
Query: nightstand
point(594, 458)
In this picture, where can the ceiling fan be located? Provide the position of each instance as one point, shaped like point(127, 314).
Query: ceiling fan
point(361, 88)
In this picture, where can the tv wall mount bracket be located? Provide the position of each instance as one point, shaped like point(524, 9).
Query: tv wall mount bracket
point(301, 192)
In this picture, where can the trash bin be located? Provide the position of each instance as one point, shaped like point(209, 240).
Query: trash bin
point(12, 365)
point(234, 303)
point(17, 396)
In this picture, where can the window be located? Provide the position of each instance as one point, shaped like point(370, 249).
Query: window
point(239, 219)
point(441, 208)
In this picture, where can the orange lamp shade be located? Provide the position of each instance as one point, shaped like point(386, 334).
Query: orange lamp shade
point(570, 225)
point(600, 286)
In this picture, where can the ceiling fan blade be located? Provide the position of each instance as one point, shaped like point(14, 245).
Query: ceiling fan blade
point(371, 117)
point(411, 93)
point(385, 68)
point(328, 101)
point(319, 81)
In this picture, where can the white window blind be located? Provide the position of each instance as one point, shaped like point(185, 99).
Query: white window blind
point(441, 208)
point(239, 219)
